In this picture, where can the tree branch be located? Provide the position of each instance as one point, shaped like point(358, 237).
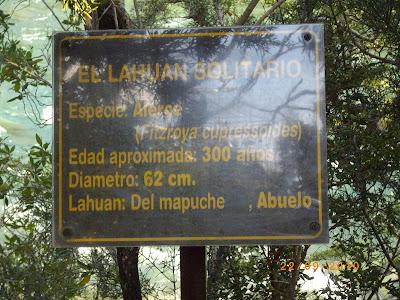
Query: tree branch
point(21, 68)
point(105, 11)
point(362, 37)
point(362, 49)
point(377, 236)
point(379, 282)
point(372, 55)
point(54, 14)
point(218, 12)
point(247, 12)
point(115, 17)
point(270, 11)
point(137, 13)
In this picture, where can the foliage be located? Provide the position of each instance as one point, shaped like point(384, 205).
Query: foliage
point(19, 67)
point(26, 221)
point(30, 267)
point(83, 8)
point(363, 115)
point(362, 46)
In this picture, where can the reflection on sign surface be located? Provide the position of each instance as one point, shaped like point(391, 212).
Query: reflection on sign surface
point(190, 137)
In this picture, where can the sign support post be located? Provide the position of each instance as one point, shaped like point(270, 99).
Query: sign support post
point(193, 273)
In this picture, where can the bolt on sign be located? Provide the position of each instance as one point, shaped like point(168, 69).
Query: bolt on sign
point(190, 137)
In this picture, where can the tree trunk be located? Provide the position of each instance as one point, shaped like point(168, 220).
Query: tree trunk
point(128, 258)
point(112, 15)
point(216, 262)
point(300, 253)
point(109, 15)
point(305, 10)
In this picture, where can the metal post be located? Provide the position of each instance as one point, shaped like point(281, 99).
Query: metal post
point(193, 273)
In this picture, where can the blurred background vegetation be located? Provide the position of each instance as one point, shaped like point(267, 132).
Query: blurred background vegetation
point(362, 48)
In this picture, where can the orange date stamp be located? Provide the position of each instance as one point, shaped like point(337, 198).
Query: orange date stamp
point(290, 265)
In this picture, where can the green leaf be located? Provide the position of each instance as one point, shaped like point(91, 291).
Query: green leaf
point(19, 97)
point(30, 227)
point(17, 86)
point(38, 140)
point(85, 280)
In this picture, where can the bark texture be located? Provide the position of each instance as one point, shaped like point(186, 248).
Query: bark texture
point(128, 258)
point(112, 15)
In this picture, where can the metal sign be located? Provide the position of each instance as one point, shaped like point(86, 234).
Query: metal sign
point(190, 137)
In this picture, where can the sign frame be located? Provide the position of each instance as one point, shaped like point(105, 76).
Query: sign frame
point(62, 235)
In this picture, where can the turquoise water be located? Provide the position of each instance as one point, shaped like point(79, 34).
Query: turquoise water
point(34, 24)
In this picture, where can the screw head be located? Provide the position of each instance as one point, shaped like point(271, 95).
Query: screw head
point(314, 226)
point(307, 37)
point(67, 232)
